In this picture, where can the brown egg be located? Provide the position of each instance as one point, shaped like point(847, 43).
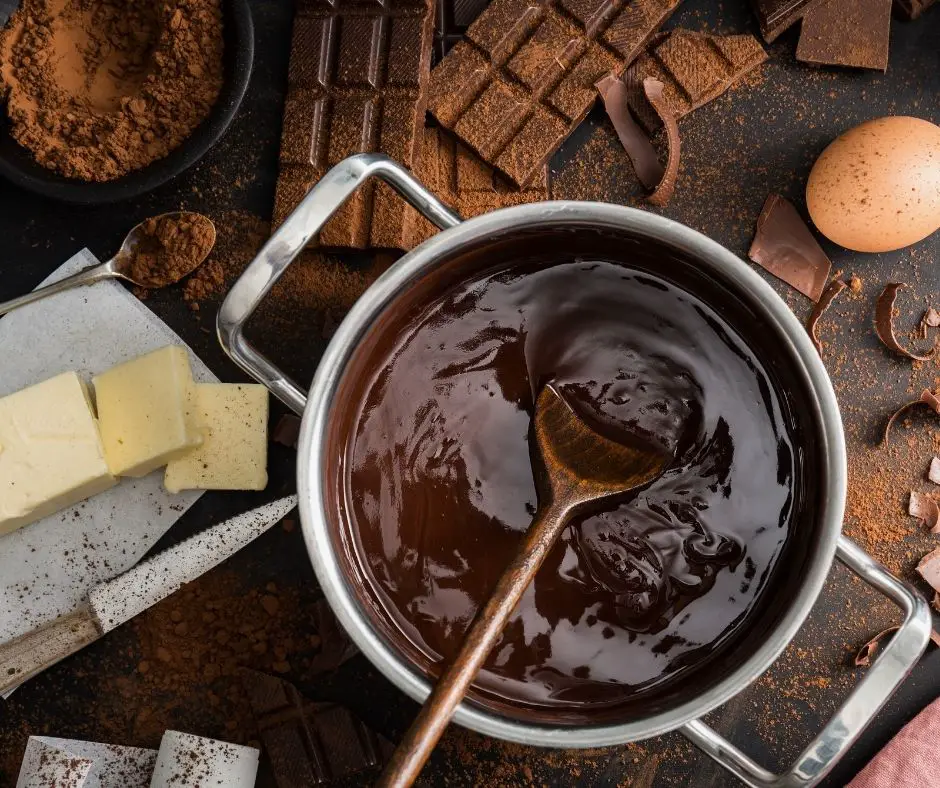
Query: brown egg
point(877, 186)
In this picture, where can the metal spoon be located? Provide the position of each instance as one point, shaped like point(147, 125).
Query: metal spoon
point(121, 266)
point(575, 469)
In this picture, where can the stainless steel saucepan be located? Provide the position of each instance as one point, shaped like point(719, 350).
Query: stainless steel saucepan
point(823, 541)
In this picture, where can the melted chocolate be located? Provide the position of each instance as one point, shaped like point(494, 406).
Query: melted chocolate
point(439, 485)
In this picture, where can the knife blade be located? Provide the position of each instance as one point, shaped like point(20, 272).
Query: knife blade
point(112, 603)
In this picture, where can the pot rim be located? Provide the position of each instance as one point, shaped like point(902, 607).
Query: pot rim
point(311, 458)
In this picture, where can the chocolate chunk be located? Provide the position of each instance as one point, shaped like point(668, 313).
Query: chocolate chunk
point(653, 89)
point(695, 68)
point(357, 84)
point(784, 246)
point(911, 9)
point(924, 508)
point(451, 20)
point(884, 323)
point(854, 34)
point(523, 77)
point(929, 568)
point(833, 289)
point(310, 743)
point(927, 397)
point(466, 183)
point(287, 431)
point(930, 319)
point(634, 139)
point(933, 473)
point(775, 16)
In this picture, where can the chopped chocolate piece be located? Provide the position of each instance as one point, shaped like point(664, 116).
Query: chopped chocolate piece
point(523, 77)
point(775, 16)
point(931, 319)
point(911, 9)
point(835, 287)
point(695, 68)
point(884, 322)
point(357, 84)
point(924, 508)
point(287, 431)
point(634, 139)
point(856, 34)
point(309, 743)
point(784, 246)
point(451, 21)
point(335, 645)
point(653, 89)
point(465, 182)
point(927, 397)
point(864, 655)
point(929, 568)
point(933, 473)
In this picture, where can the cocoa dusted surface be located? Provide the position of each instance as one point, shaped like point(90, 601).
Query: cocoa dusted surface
point(760, 137)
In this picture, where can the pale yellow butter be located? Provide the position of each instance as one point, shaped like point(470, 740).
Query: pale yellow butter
point(145, 410)
point(51, 455)
point(234, 453)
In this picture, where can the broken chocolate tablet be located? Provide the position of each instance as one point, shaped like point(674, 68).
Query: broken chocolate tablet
point(933, 473)
point(784, 246)
point(451, 20)
point(310, 743)
point(636, 143)
point(855, 34)
point(653, 89)
point(884, 322)
point(911, 9)
point(924, 508)
point(927, 397)
point(835, 287)
point(775, 16)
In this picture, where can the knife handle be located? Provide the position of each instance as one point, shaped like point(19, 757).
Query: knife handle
point(32, 653)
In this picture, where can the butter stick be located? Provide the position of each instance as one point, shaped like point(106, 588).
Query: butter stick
point(234, 451)
point(51, 454)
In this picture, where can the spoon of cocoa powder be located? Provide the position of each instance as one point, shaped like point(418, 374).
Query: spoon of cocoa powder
point(158, 252)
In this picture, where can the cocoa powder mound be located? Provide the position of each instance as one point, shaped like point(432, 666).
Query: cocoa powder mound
point(98, 88)
point(169, 248)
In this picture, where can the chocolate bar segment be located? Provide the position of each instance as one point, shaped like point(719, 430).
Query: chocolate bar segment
point(451, 20)
point(695, 68)
point(853, 34)
point(470, 186)
point(523, 77)
point(776, 16)
point(357, 84)
point(310, 743)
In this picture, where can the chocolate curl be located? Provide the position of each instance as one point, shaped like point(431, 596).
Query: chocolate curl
point(933, 473)
point(832, 290)
point(925, 509)
point(884, 322)
point(653, 89)
point(927, 397)
point(866, 652)
point(640, 150)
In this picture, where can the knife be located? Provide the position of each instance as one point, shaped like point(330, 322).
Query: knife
point(112, 603)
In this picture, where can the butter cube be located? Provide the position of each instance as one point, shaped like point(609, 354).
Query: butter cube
point(51, 455)
point(145, 409)
point(234, 451)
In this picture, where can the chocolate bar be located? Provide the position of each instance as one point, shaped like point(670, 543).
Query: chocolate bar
point(853, 34)
point(357, 84)
point(310, 743)
point(911, 9)
point(451, 21)
point(695, 68)
point(523, 77)
point(467, 184)
point(775, 16)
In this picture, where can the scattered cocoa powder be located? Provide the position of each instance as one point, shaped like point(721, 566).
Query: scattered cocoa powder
point(170, 247)
point(98, 88)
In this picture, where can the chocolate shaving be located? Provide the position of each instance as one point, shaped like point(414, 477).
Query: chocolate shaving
point(784, 246)
point(931, 319)
point(653, 89)
point(287, 431)
point(866, 652)
point(933, 473)
point(925, 508)
point(833, 289)
point(929, 569)
point(927, 397)
point(643, 156)
point(884, 322)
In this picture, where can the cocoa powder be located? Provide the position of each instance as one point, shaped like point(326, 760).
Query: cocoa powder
point(98, 88)
point(170, 247)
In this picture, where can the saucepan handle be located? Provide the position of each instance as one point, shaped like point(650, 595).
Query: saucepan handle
point(890, 668)
point(321, 202)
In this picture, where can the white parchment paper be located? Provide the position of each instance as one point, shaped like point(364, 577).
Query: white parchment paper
point(47, 568)
point(187, 761)
point(56, 762)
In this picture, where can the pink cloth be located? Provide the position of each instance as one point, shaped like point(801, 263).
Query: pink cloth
point(911, 759)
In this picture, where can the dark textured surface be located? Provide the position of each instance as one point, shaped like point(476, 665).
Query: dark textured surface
point(760, 137)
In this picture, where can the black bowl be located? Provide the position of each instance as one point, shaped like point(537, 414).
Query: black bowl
point(17, 164)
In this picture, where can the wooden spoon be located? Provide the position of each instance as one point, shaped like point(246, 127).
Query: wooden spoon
point(575, 470)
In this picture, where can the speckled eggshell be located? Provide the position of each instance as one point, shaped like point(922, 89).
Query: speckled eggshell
point(877, 187)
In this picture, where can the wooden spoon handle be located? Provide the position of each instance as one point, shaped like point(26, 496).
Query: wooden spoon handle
point(413, 751)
